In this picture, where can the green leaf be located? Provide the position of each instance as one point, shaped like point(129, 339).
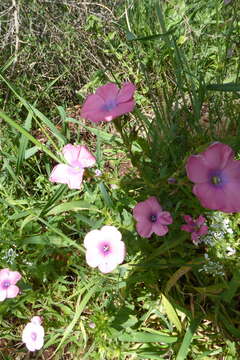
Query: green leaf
point(77, 205)
point(171, 312)
point(224, 87)
point(142, 337)
point(184, 348)
point(23, 143)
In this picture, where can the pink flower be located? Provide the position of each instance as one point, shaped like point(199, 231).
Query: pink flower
point(8, 279)
point(150, 218)
point(77, 157)
point(109, 102)
point(105, 249)
point(217, 178)
point(196, 227)
point(33, 334)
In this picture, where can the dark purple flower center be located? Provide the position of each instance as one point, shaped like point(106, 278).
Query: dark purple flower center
point(153, 218)
point(6, 284)
point(34, 336)
point(109, 105)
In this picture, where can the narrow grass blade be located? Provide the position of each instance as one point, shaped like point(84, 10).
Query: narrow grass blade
point(224, 87)
point(77, 205)
point(143, 337)
point(184, 348)
point(28, 136)
point(23, 143)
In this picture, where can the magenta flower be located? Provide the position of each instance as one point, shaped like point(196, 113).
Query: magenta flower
point(196, 227)
point(8, 279)
point(150, 218)
point(33, 334)
point(105, 249)
point(109, 102)
point(77, 157)
point(217, 178)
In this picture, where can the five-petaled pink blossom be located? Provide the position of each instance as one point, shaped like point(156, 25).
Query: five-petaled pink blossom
point(197, 227)
point(77, 157)
point(8, 280)
point(151, 218)
point(33, 334)
point(109, 102)
point(217, 178)
point(104, 248)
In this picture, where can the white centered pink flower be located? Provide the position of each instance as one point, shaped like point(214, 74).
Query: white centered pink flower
point(33, 334)
point(104, 248)
point(8, 280)
point(77, 157)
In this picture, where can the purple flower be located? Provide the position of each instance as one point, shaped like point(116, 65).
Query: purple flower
point(217, 178)
point(150, 218)
point(8, 279)
point(109, 102)
point(77, 157)
point(197, 227)
point(104, 248)
point(33, 334)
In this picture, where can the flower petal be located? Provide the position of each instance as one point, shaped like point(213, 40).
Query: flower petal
point(39, 342)
point(92, 109)
point(108, 91)
point(144, 228)
point(200, 220)
point(4, 273)
point(187, 228)
point(159, 229)
point(197, 170)
point(12, 291)
point(144, 209)
point(93, 257)
point(65, 174)
point(111, 234)
point(14, 277)
point(231, 197)
point(165, 218)
point(85, 158)
point(120, 109)
point(107, 265)
point(217, 155)
point(126, 92)
point(92, 238)
point(210, 197)
point(3, 295)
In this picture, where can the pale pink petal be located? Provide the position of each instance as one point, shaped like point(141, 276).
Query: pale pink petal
point(159, 229)
point(217, 155)
point(65, 174)
point(59, 174)
point(3, 295)
point(30, 345)
point(36, 320)
point(12, 291)
point(39, 342)
point(93, 257)
point(107, 266)
point(108, 91)
point(4, 273)
point(196, 168)
point(126, 92)
point(210, 197)
point(14, 277)
point(26, 332)
point(111, 234)
point(71, 153)
point(195, 238)
point(164, 218)
point(144, 228)
point(93, 238)
point(121, 109)
point(85, 158)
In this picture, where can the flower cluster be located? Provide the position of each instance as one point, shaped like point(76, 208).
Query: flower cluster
point(196, 227)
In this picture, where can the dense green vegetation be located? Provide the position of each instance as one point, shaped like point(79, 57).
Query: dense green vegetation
point(170, 299)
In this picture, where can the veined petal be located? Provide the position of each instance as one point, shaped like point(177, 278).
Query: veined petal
point(126, 92)
point(85, 158)
point(210, 197)
point(144, 228)
point(196, 168)
point(217, 155)
point(108, 91)
point(165, 218)
point(159, 229)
